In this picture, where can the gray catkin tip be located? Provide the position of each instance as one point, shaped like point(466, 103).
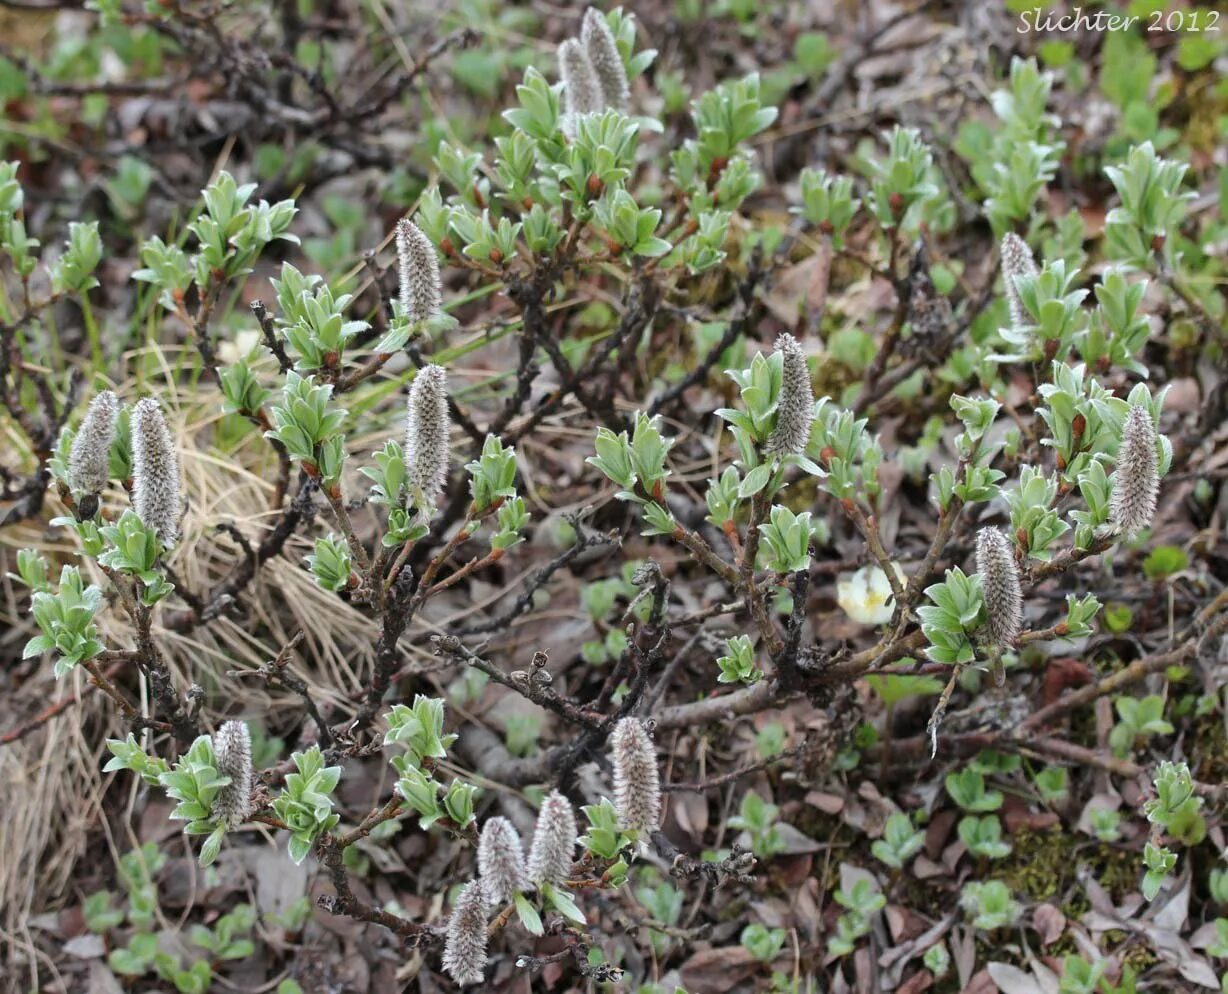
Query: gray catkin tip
point(427, 444)
point(637, 784)
point(501, 866)
point(421, 291)
point(89, 459)
point(603, 55)
point(1136, 483)
point(795, 409)
point(582, 92)
point(1017, 261)
point(554, 841)
point(155, 471)
point(232, 748)
point(464, 952)
point(1003, 596)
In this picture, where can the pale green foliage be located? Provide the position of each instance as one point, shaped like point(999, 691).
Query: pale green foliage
point(989, 904)
point(738, 664)
point(66, 620)
point(305, 803)
point(900, 842)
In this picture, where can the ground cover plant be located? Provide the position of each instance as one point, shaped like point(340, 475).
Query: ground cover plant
point(684, 497)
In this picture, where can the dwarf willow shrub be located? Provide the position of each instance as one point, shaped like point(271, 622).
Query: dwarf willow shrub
point(560, 197)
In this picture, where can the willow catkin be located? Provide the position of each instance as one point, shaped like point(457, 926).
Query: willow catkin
point(1136, 483)
point(603, 55)
point(155, 472)
point(232, 748)
point(464, 951)
point(637, 783)
point(501, 866)
point(1017, 261)
point(427, 443)
point(795, 408)
point(89, 458)
point(554, 841)
point(1003, 596)
point(581, 88)
point(421, 290)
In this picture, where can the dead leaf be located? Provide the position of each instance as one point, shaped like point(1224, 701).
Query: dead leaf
point(982, 983)
point(102, 980)
point(923, 980)
point(1049, 922)
point(86, 946)
point(717, 970)
point(1012, 980)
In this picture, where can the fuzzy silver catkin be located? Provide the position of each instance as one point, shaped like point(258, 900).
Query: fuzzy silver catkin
point(427, 445)
point(1137, 480)
point(89, 459)
point(1017, 261)
point(501, 865)
point(581, 87)
point(637, 784)
point(155, 472)
point(418, 268)
point(603, 55)
point(554, 841)
point(232, 748)
point(464, 951)
point(795, 409)
point(995, 561)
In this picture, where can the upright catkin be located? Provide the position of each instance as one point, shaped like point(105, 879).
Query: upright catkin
point(795, 408)
point(554, 841)
point(637, 783)
point(89, 458)
point(464, 951)
point(602, 50)
point(1136, 483)
point(232, 748)
point(427, 443)
point(1000, 588)
point(155, 472)
point(581, 88)
point(501, 866)
point(421, 293)
point(1017, 261)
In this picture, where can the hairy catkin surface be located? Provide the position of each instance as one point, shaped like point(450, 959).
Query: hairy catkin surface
point(554, 841)
point(426, 435)
point(421, 293)
point(501, 864)
point(795, 410)
point(1136, 483)
point(995, 561)
point(464, 953)
point(603, 55)
point(637, 784)
point(89, 459)
point(232, 747)
point(1017, 261)
point(155, 471)
point(582, 92)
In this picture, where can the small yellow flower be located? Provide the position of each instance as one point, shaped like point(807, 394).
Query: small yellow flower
point(865, 595)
